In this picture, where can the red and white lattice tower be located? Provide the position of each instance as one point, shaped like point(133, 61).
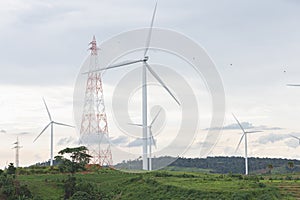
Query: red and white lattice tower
point(94, 129)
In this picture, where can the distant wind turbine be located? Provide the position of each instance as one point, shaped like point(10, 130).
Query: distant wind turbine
point(50, 123)
point(246, 147)
point(151, 138)
point(296, 138)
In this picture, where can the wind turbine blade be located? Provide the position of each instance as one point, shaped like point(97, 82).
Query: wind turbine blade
point(293, 85)
point(47, 110)
point(295, 137)
point(63, 124)
point(42, 132)
point(135, 124)
point(155, 118)
point(152, 138)
point(150, 32)
point(238, 123)
point(161, 82)
point(239, 142)
point(124, 63)
point(253, 131)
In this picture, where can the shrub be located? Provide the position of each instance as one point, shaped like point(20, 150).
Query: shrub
point(288, 178)
point(80, 195)
point(238, 176)
point(11, 169)
point(86, 187)
point(69, 186)
point(261, 185)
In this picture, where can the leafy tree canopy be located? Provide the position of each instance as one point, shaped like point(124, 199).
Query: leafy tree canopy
point(79, 158)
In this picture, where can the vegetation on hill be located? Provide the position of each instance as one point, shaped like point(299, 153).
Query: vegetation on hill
point(222, 165)
point(186, 178)
point(10, 187)
point(113, 184)
point(79, 159)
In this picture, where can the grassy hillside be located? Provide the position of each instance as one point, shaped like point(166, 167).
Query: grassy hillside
point(112, 184)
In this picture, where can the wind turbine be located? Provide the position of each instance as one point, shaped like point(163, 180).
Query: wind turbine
point(146, 67)
point(151, 138)
point(51, 136)
point(246, 145)
point(296, 138)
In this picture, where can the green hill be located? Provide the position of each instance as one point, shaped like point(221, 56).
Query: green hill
point(113, 184)
point(186, 178)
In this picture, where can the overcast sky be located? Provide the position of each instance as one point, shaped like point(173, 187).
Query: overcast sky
point(255, 46)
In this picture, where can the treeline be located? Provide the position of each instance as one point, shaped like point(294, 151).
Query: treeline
point(221, 164)
point(237, 164)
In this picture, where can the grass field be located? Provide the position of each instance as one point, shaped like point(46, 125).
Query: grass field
point(113, 184)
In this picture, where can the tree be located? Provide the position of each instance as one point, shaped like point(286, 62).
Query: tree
point(270, 167)
point(79, 158)
point(291, 165)
point(11, 169)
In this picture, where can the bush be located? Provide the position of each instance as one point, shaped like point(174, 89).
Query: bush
point(86, 187)
point(288, 178)
point(23, 191)
point(80, 195)
point(162, 174)
point(11, 169)
point(238, 176)
point(69, 186)
point(241, 196)
point(261, 185)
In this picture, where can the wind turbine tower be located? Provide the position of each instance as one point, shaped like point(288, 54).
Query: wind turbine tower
point(94, 129)
point(245, 133)
point(51, 123)
point(146, 67)
point(17, 147)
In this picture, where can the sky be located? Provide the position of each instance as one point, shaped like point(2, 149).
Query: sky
point(254, 45)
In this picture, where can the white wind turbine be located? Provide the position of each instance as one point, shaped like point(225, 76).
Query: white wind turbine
point(296, 138)
point(145, 67)
point(246, 143)
point(151, 138)
point(51, 136)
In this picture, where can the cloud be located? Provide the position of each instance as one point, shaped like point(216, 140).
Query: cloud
point(66, 141)
point(271, 138)
point(2, 131)
point(229, 150)
point(119, 140)
point(94, 139)
point(23, 133)
point(136, 143)
point(293, 143)
point(263, 127)
point(37, 157)
point(245, 125)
